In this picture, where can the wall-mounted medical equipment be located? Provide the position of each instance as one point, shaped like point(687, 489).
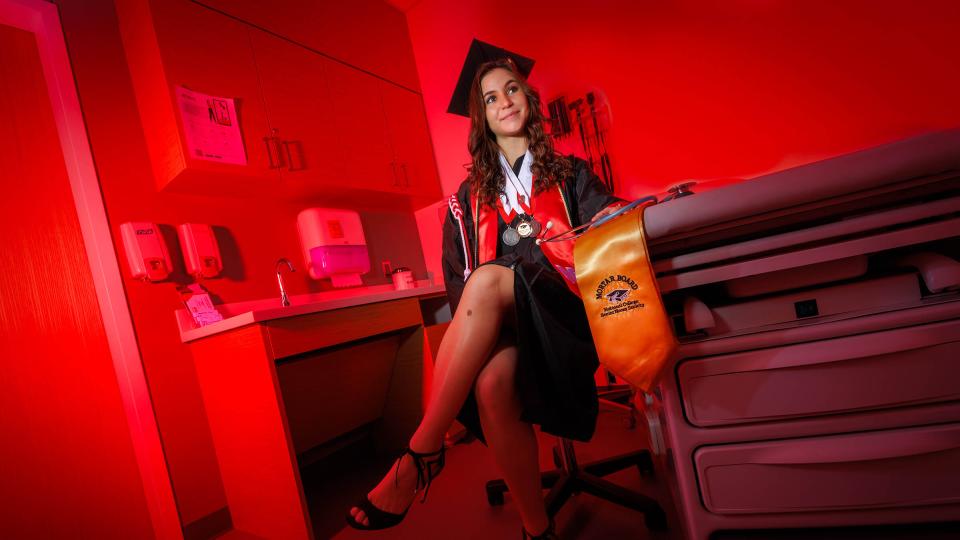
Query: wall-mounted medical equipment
point(146, 251)
point(333, 245)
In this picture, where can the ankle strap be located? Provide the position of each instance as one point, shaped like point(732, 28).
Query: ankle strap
point(427, 469)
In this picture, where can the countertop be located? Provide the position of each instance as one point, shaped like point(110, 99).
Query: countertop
point(240, 314)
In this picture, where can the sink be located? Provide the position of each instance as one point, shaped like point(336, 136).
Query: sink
point(243, 313)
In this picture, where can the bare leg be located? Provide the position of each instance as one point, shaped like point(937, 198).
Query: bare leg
point(465, 349)
point(513, 441)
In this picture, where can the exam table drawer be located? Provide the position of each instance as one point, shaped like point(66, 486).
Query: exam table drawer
point(895, 368)
point(897, 468)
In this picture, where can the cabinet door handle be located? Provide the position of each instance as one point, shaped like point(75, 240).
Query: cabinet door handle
point(291, 164)
point(406, 177)
point(286, 149)
point(273, 146)
point(271, 164)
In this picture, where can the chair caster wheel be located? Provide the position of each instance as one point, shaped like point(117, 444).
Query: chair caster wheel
point(645, 466)
point(495, 495)
point(655, 520)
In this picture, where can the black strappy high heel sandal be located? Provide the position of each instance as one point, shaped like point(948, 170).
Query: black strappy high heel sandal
point(548, 534)
point(428, 464)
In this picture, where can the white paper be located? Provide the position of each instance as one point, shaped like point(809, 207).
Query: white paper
point(211, 127)
point(202, 308)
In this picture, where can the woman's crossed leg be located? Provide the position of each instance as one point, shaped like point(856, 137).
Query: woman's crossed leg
point(473, 338)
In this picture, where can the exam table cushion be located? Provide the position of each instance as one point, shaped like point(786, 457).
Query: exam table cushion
point(918, 156)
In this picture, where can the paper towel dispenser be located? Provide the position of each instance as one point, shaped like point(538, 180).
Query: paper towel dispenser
point(333, 245)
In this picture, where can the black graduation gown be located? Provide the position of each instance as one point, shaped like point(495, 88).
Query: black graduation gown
point(556, 354)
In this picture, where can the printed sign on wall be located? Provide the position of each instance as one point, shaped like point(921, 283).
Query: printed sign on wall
point(211, 128)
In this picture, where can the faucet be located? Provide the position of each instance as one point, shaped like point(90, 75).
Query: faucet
point(284, 299)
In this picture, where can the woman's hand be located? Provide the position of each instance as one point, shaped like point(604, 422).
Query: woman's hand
point(608, 210)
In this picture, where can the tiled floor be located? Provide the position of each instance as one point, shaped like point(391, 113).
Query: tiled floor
point(457, 505)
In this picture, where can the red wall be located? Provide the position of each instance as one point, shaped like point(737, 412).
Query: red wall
point(710, 89)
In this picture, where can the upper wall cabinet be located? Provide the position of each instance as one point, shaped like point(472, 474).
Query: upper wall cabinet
point(171, 44)
point(369, 34)
point(311, 125)
point(415, 167)
point(301, 113)
point(339, 129)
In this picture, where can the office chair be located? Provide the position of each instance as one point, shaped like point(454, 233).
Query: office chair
point(570, 478)
point(616, 395)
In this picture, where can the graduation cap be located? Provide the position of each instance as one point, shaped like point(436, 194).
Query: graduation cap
point(479, 54)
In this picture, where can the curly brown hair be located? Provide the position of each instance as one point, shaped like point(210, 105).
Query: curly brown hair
point(485, 175)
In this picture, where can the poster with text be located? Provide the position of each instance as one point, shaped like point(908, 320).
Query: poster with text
point(211, 128)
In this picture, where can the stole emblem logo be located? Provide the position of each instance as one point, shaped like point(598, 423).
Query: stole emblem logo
point(617, 297)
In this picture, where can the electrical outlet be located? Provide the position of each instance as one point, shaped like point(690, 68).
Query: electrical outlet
point(387, 269)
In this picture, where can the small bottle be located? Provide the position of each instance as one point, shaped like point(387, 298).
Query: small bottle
point(402, 278)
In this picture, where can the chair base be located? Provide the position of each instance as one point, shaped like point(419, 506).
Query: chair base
point(571, 479)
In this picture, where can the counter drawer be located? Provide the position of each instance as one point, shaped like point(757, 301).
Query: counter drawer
point(905, 366)
point(898, 468)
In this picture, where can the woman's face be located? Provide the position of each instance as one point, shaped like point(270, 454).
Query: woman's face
point(504, 102)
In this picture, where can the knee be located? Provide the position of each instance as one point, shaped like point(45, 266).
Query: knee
point(495, 391)
point(490, 283)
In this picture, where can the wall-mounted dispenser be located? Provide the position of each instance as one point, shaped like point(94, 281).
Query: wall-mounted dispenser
point(333, 245)
point(201, 254)
point(146, 251)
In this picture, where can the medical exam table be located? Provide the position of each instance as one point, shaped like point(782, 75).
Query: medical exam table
point(817, 382)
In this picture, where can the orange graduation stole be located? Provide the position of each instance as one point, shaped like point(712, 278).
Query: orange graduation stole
point(618, 287)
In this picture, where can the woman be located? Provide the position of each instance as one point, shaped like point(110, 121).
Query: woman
point(518, 350)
